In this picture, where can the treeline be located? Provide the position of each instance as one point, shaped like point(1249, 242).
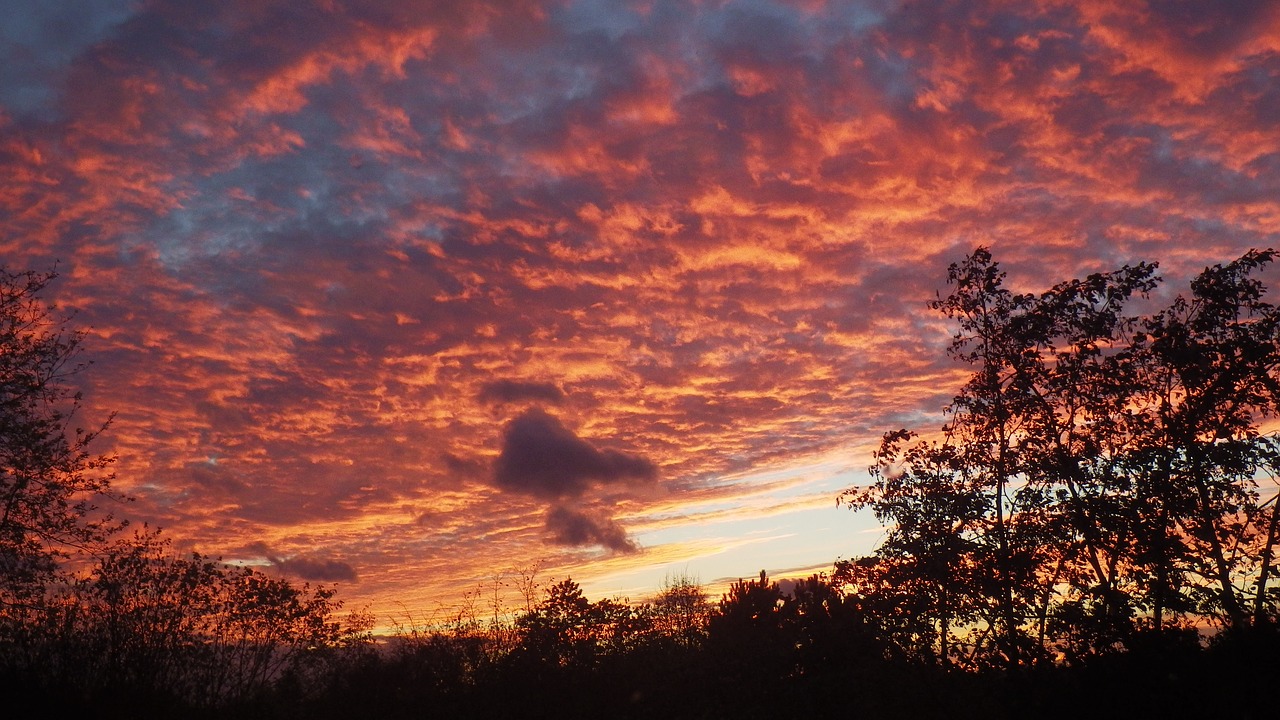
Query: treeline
point(758, 651)
point(1092, 529)
point(815, 649)
point(145, 630)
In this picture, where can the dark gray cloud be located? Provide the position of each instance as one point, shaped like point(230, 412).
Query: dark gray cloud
point(505, 391)
point(217, 480)
point(1208, 30)
point(318, 569)
point(578, 529)
point(315, 569)
point(543, 458)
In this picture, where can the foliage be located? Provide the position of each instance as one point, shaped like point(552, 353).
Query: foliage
point(568, 630)
point(680, 611)
point(154, 624)
point(49, 480)
point(1097, 476)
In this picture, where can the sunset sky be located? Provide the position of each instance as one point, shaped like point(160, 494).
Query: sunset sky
point(406, 295)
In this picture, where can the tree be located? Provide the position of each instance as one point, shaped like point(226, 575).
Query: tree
point(680, 611)
point(922, 582)
point(1208, 364)
point(1098, 472)
point(49, 479)
point(751, 635)
point(568, 630)
point(156, 624)
point(135, 618)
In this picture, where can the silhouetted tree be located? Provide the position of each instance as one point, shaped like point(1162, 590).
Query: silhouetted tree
point(150, 622)
point(750, 636)
point(568, 630)
point(923, 581)
point(49, 480)
point(1097, 473)
point(1208, 365)
point(832, 629)
point(681, 610)
point(48, 477)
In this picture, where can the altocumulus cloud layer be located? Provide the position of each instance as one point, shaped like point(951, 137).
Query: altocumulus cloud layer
point(400, 293)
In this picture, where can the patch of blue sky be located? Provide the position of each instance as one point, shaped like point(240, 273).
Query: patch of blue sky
point(610, 17)
point(39, 41)
point(793, 543)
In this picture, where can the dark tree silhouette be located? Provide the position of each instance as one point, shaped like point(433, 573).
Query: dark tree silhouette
point(681, 610)
point(48, 478)
point(148, 624)
point(568, 630)
point(1208, 366)
point(925, 579)
point(1097, 476)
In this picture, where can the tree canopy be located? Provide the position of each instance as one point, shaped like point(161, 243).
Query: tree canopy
point(1097, 477)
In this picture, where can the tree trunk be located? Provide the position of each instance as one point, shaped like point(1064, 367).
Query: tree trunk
point(1260, 600)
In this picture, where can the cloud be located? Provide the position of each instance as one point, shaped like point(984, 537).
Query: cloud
point(306, 567)
point(321, 246)
point(543, 458)
point(578, 529)
point(40, 40)
point(315, 569)
point(505, 391)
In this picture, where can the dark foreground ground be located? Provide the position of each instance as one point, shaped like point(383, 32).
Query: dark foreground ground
point(1239, 680)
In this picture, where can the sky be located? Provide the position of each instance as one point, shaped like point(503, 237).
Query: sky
point(413, 297)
